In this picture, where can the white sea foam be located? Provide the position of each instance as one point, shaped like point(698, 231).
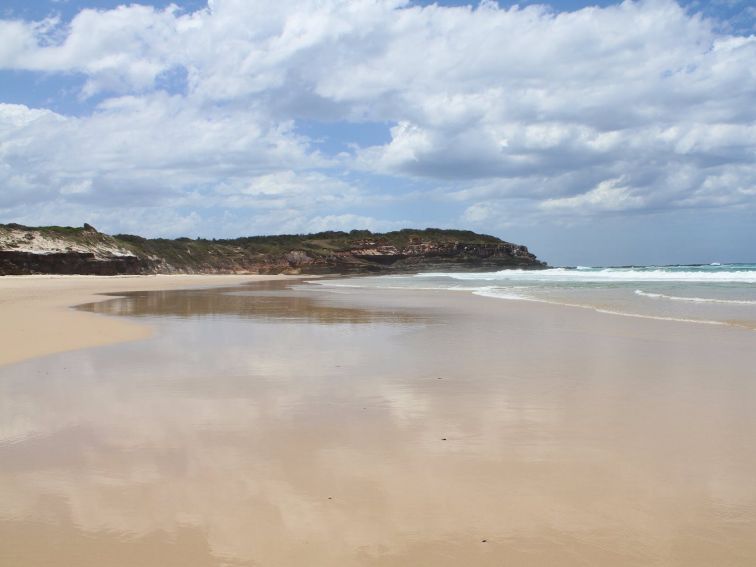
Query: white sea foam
point(499, 294)
point(694, 299)
point(564, 275)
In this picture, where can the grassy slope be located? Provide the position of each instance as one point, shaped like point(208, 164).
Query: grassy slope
point(198, 253)
point(319, 243)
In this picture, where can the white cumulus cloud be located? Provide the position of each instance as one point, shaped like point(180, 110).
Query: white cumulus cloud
point(639, 106)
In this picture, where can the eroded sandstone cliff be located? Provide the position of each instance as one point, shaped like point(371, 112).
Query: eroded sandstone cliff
point(66, 250)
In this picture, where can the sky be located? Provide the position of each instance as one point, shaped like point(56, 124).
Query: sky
point(595, 133)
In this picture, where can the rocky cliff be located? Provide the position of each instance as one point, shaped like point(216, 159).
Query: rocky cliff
point(66, 250)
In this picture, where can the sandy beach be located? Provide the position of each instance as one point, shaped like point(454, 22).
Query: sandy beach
point(37, 318)
point(278, 425)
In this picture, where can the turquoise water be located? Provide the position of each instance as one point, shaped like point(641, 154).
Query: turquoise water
point(723, 294)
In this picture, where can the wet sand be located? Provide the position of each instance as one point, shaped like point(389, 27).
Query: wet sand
point(37, 319)
point(271, 426)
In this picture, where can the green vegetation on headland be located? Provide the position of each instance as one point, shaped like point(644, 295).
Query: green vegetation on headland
point(55, 249)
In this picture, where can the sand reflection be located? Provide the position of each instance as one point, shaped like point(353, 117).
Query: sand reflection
point(244, 436)
point(271, 300)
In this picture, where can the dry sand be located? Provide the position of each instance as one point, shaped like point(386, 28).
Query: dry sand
point(37, 319)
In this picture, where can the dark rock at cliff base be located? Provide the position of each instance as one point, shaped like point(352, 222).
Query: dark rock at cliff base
point(69, 263)
point(66, 250)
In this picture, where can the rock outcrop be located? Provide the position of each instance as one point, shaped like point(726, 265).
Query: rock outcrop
point(65, 250)
point(24, 263)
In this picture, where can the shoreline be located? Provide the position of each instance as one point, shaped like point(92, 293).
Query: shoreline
point(605, 311)
point(39, 319)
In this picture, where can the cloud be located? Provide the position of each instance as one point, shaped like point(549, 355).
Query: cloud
point(282, 189)
point(610, 195)
point(119, 50)
point(635, 107)
point(150, 147)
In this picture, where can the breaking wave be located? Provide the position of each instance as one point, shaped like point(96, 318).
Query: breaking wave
point(729, 273)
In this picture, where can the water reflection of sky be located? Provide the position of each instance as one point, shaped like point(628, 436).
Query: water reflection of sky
point(233, 439)
point(265, 301)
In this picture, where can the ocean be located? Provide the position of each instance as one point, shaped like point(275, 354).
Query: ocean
point(714, 294)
